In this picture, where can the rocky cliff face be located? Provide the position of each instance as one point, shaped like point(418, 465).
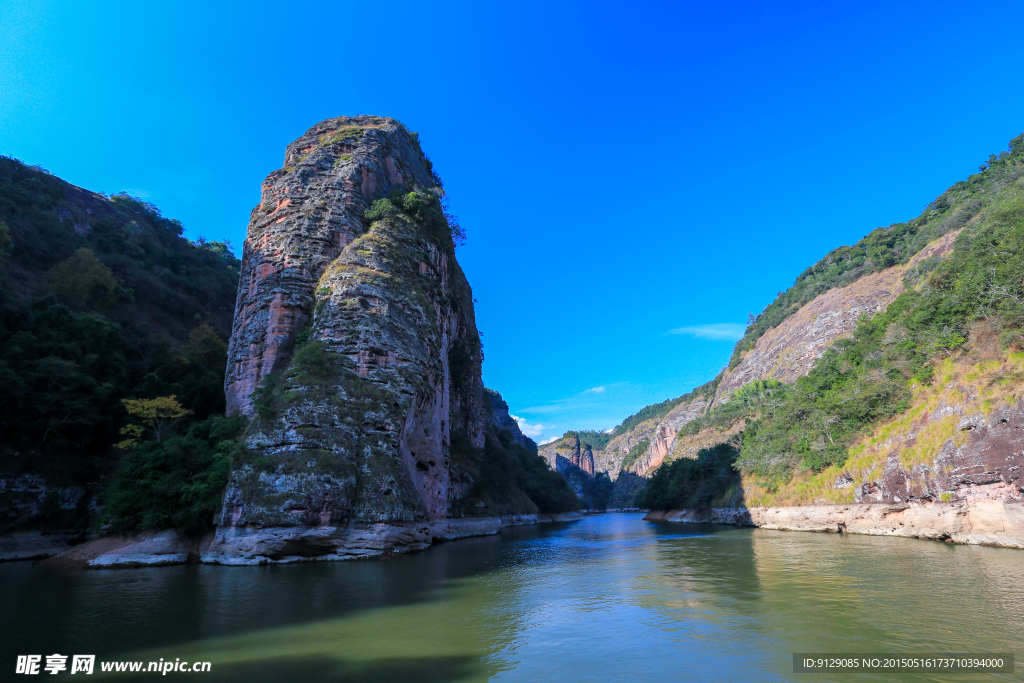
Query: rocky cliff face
point(663, 437)
point(982, 461)
point(568, 453)
point(575, 454)
point(501, 419)
point(309, 211)
point(577, 462)
point(354, 348)
point(962, 440)
point(655, 437)
point(788, 351)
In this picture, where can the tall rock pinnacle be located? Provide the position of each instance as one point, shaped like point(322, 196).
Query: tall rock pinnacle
point(354, 350)
point(309, 211)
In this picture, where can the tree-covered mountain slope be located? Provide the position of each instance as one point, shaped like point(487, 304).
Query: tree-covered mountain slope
point(356, 360)
point(353, 374)
point(848, 385)
point(101, 299)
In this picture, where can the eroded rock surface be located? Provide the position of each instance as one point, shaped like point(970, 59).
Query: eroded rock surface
point(982, 463)
point(360, 336)
point(977, 523)
point(309, 211)
point(663, 437)
point(788, 351)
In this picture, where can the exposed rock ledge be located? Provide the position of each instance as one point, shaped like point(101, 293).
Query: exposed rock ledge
point(979, 523)
point(243, 546)
point(34, 545)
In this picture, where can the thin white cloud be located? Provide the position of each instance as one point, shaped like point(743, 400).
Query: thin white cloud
point(716, 331)
point(547, 441)
point(531, 430)
point(584, 402)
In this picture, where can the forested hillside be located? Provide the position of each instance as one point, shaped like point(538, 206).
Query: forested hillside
point(883, 405)
point(102, 299)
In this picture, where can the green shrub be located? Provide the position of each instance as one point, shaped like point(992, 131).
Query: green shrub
point(708, 480)
point(635, 453)
point(380, 209)
point(509, 478)
point(755, 392)
point(425, 209)
point(897, 243)
point(177, 482)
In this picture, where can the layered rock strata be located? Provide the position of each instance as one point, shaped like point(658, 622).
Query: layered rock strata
point(788, 352)
point(977, 523)
point(309, 211)
point(354, 351)
point(663, 437)
point(785, 353)
point(244, 547)
point(569, 453)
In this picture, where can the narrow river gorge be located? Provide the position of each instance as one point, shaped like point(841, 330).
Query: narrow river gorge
point(611, 597)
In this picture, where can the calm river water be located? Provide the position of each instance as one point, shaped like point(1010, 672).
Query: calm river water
point(608, 598)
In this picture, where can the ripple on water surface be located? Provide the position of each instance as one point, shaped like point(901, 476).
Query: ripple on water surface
point(608, 598)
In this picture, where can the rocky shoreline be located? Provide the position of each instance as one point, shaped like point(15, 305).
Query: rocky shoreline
point(242, 546)
point(37, 545)
point(998, 524)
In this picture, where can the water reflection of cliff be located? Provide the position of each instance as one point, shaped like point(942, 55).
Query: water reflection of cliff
point(786, 592)
point(604, 599)
point(412, 618)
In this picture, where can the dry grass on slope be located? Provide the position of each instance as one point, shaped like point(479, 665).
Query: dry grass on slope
point(966, 384)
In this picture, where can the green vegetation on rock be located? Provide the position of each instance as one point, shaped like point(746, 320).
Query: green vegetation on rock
point(709, 480)
point(746, 400)
point(596, 440)
point(867, 379)
point(651, 412)
point(98, 306)
point(635, 453)
point(508, 478)
point(897, 243)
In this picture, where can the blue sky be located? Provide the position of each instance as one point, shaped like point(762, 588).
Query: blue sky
point(634, 178)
